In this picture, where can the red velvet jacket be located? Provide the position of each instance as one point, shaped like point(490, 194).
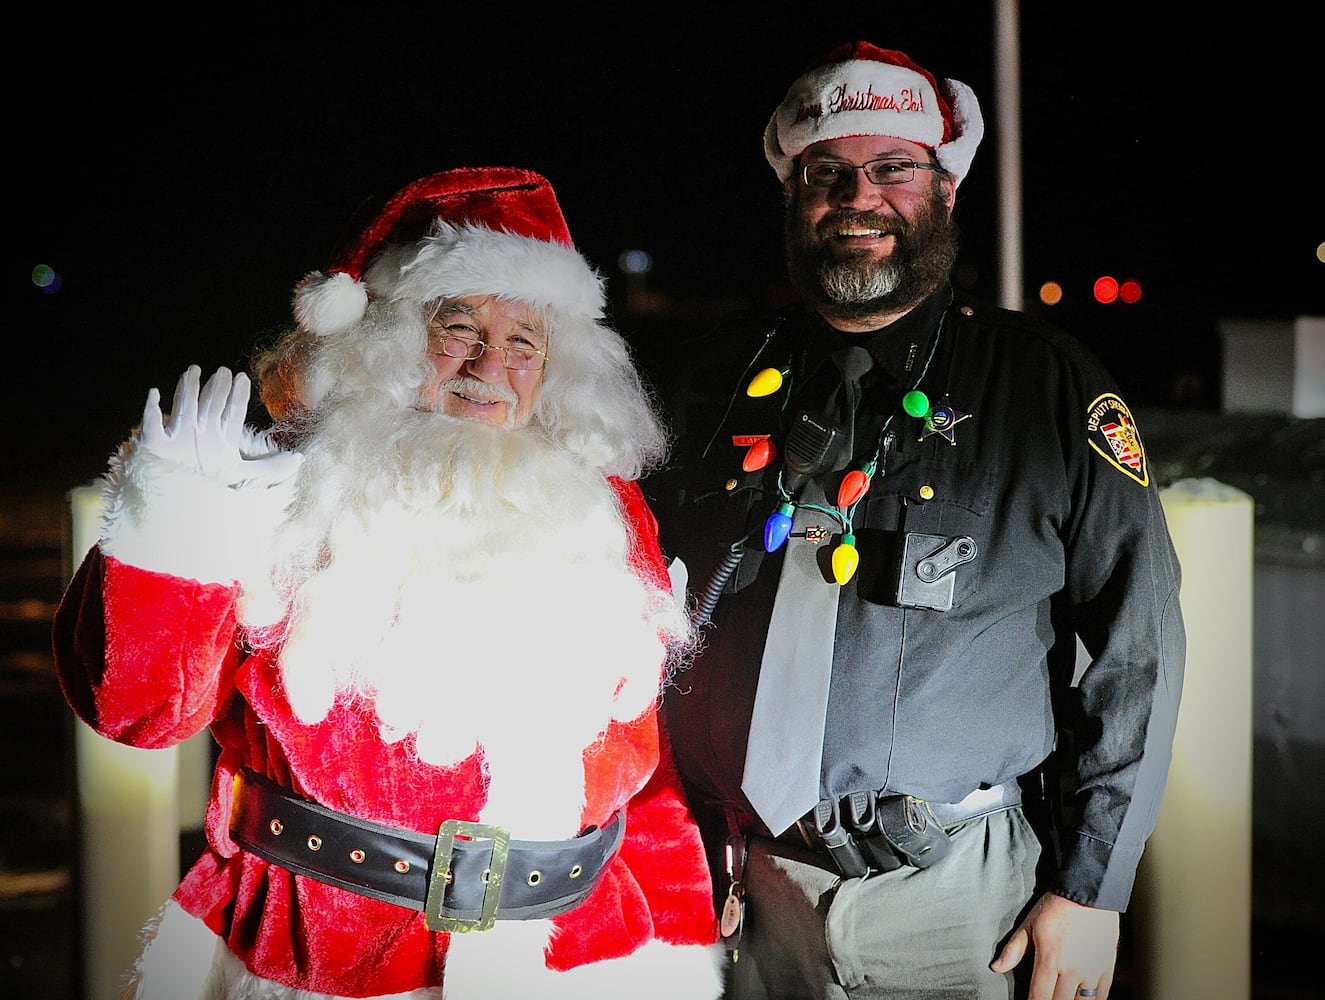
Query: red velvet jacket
point(149, 659)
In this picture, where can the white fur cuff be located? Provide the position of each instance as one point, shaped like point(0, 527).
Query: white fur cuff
point(164, 517)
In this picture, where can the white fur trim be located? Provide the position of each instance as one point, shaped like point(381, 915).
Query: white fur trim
point(868, 97)
point(327, 304)
point(968, 126)
point(180, 958)
point(164, 517)
point(183, 960)
point(507, 961)
point(454, 261)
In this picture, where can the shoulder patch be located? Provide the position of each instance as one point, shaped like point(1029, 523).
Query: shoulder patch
point(1112, 432)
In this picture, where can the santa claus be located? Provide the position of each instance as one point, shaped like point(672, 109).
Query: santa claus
point(427, 620)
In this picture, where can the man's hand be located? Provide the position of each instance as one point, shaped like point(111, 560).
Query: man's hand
point(205, 431)
point(1076, 947)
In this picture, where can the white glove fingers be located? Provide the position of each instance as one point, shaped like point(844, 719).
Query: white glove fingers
point(206, 430)
point(236, 410)
point(212, 399)
point(184, 410)
point(152, 429)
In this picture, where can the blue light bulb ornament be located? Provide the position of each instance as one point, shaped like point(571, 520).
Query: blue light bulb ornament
point(777, 527)
point(916, 404)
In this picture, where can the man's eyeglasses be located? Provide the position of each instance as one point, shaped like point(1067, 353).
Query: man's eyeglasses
point(831, 173)
point(517, 357)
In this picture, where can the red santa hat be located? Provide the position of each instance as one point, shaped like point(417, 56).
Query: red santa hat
point(861, 89)
point(467, 231)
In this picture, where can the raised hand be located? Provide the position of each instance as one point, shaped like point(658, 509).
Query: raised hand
point(205, 431)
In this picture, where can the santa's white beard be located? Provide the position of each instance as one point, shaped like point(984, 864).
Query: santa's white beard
point(473, 584)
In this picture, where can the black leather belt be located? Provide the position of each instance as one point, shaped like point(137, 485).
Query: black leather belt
point(464, 878)
point(868, 832)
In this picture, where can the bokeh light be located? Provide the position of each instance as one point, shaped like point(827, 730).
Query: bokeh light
point(1106, 289)
point(1130, 291)
point(635, 262)
point(46, 278)
point(1051, 293)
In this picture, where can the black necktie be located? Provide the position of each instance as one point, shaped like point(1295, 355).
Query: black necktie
point(853, 363)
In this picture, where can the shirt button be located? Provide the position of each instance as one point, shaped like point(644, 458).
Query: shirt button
point(926, 492)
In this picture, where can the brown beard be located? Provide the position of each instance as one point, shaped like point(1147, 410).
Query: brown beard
point(854, 284)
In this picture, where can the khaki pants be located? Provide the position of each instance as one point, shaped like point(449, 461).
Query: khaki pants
point(909, 934)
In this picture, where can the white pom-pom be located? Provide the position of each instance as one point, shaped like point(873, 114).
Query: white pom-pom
point(324, 305)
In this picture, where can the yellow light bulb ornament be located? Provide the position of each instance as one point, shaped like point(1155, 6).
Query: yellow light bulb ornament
point(766, 382)
point(845, 559)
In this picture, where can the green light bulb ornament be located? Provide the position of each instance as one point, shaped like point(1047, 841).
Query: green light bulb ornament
point(916, 404)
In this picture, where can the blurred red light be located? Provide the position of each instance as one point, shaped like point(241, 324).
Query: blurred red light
point(1130, 291)
point(1106, 289)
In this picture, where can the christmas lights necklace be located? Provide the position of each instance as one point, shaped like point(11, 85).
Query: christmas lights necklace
point(856, 483)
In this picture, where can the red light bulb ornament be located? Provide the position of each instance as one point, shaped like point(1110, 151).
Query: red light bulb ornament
point(759, 455)
point(778, 527)
point(845, 559)
point(855, 484)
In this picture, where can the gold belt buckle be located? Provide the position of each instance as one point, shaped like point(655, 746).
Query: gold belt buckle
point(439, 876)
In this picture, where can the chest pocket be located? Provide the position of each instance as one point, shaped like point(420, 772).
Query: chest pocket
point(923, 534)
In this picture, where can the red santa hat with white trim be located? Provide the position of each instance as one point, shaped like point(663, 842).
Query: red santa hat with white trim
point(467, 231)
point(861, 89)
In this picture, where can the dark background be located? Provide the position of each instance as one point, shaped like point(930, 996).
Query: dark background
point(182, 170)
point(181, 178)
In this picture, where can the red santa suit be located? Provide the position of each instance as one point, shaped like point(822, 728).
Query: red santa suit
point(171, 626)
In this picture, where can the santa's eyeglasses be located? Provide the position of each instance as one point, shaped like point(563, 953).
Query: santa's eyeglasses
point(517, 357)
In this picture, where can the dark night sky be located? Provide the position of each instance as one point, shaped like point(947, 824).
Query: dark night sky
point(182, 180)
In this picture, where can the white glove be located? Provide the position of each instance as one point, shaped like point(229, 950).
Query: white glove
point(197, 494)
point(205, 431)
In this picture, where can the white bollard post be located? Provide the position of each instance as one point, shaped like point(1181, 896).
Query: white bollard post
point(1193, 895)
point(128, 802)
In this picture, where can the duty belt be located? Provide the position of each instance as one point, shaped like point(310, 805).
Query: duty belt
point(867, 832)
point(463, 879)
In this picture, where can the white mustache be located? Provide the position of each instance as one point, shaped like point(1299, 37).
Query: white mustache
point(475, 389)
